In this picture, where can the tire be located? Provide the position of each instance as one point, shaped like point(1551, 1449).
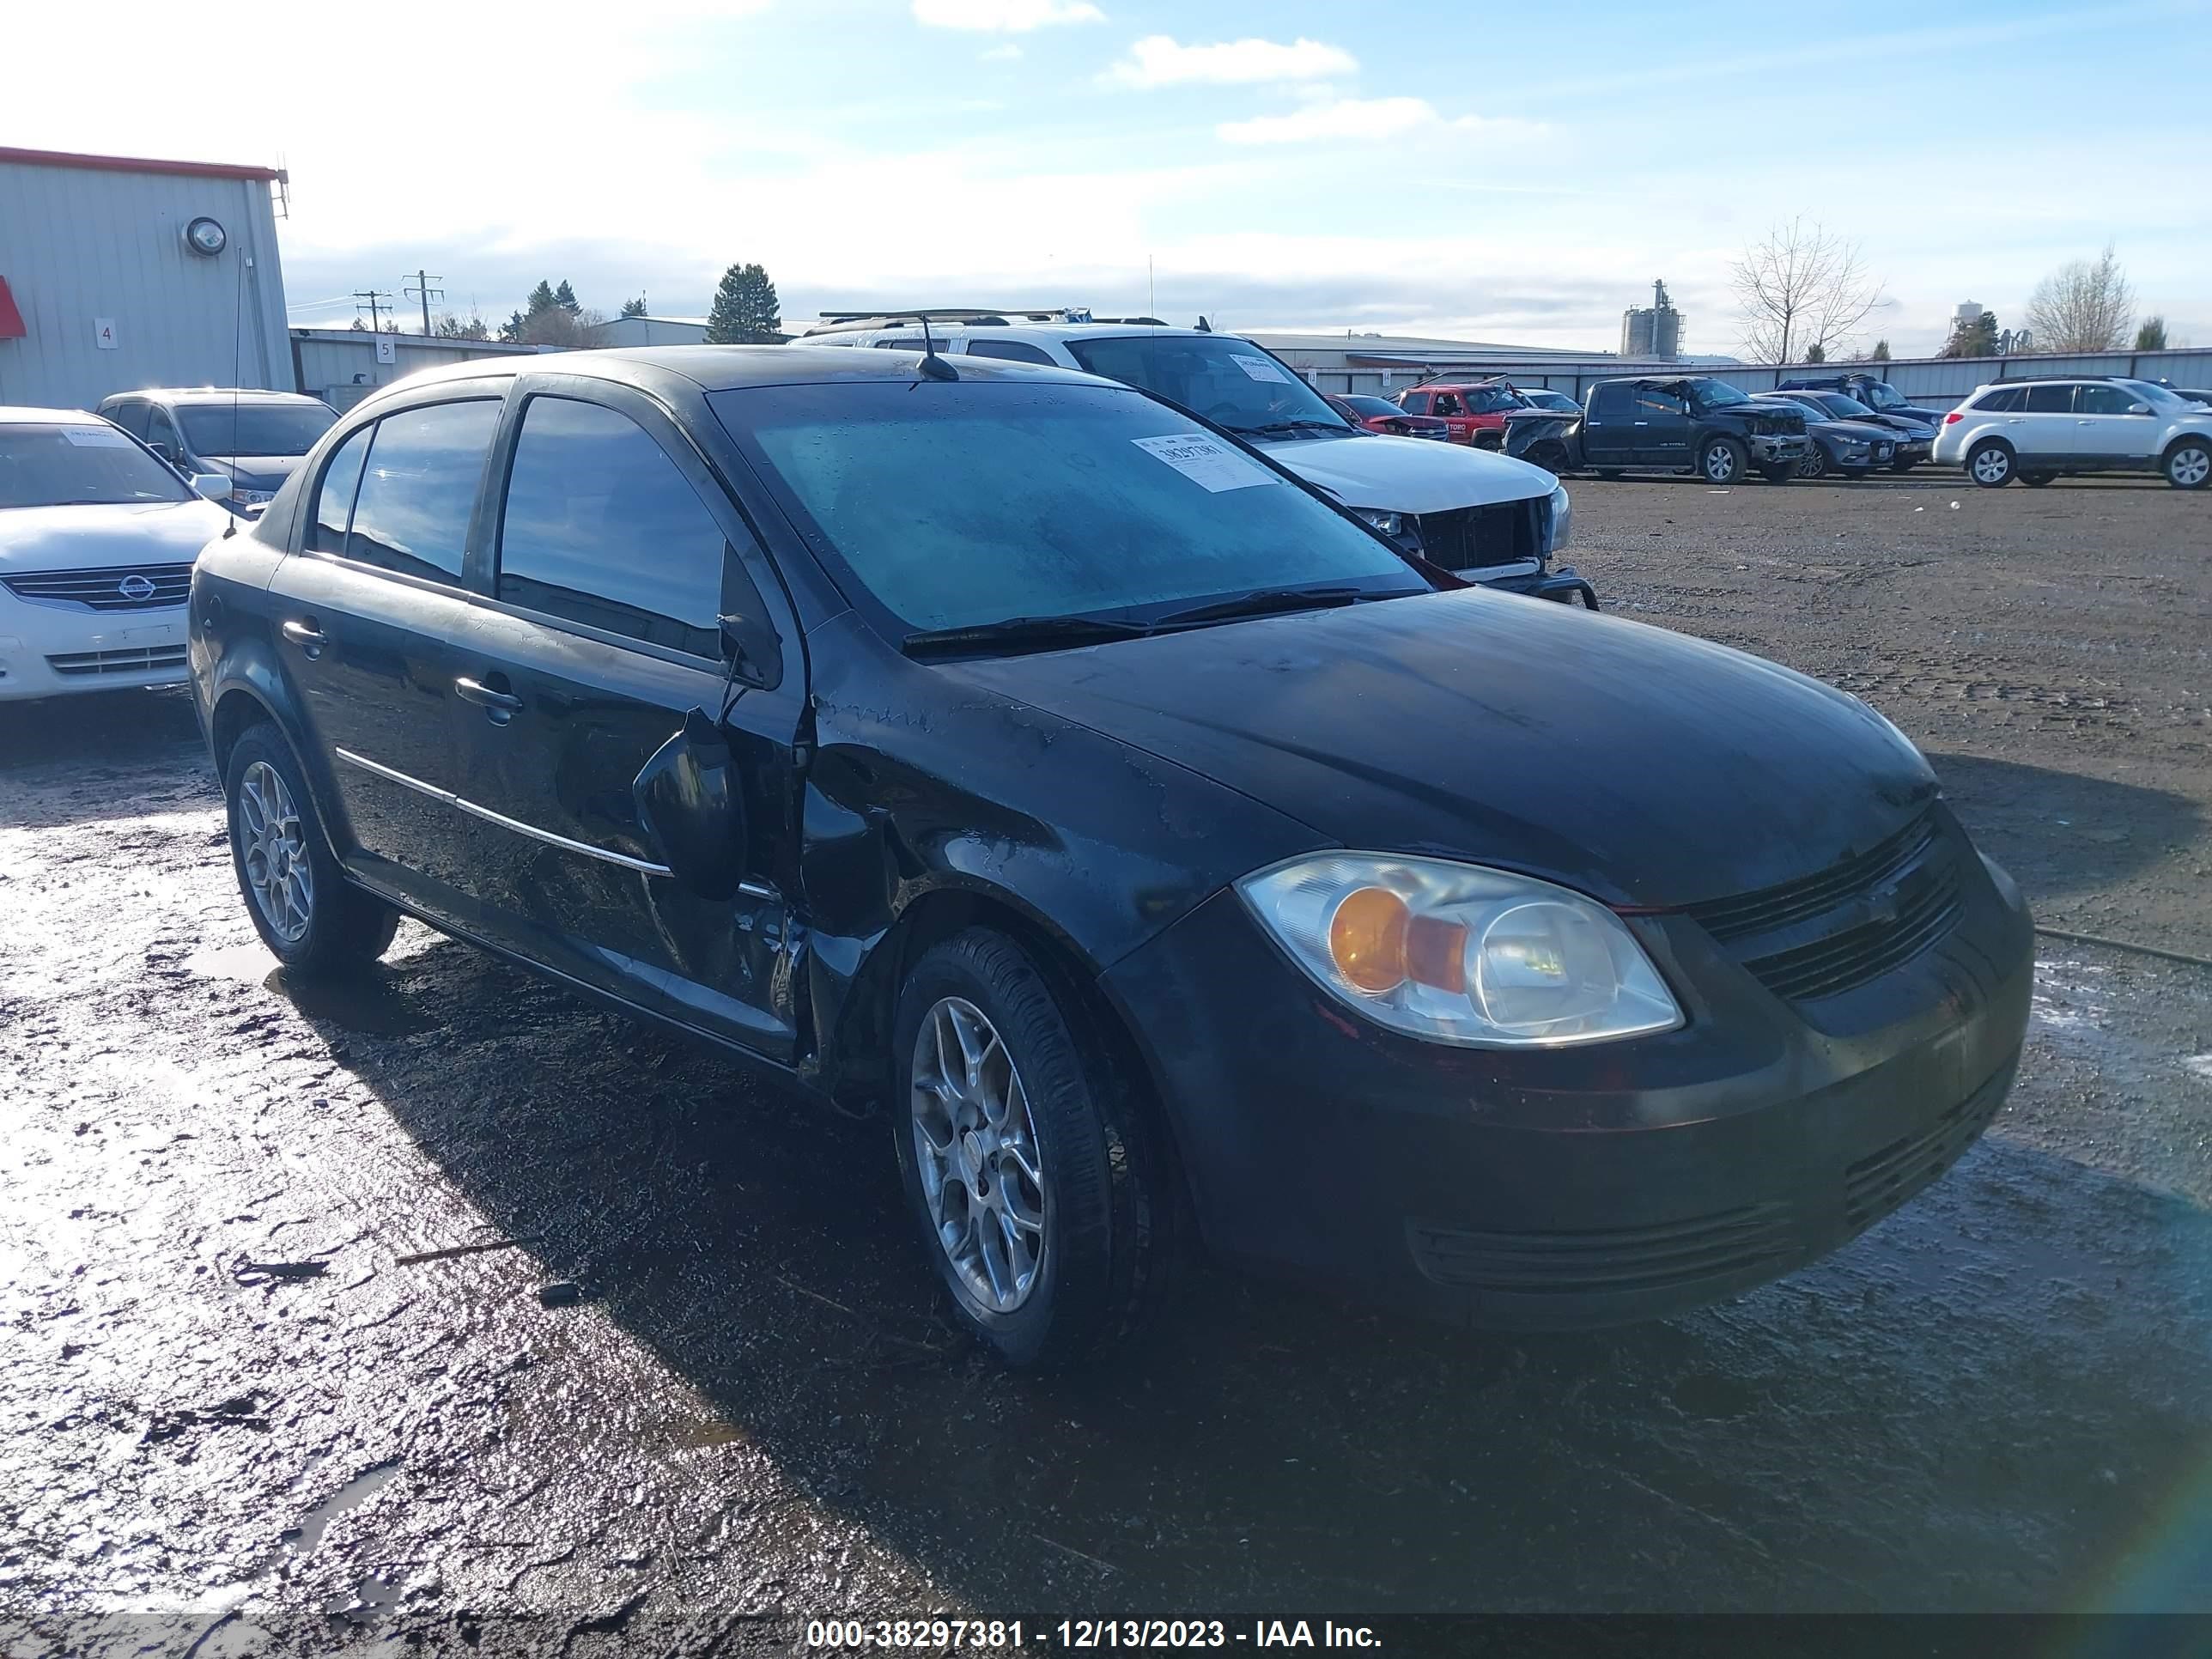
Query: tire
point(1720, 461)
point(313, 919)
point(2188, 465)
point(1608, 473)
point(1084, 1226)
point(1991, 464)
point(1815, 463)
point(1552, 457)
point(2037, 480)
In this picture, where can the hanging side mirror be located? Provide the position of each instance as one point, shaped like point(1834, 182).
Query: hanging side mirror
point(692, 803)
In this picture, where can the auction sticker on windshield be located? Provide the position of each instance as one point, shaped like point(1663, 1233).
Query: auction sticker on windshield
point(95, 437)
point(1205, 461)
point(1260, 369)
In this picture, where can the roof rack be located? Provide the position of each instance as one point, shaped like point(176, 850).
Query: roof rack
point(976, 316)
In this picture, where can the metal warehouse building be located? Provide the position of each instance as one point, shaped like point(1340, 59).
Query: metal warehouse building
point(116, 274)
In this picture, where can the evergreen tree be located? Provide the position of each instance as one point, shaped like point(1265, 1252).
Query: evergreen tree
point(2151, 337)
point(634, 308)
point(1880, 352)
point(746, 310)
point(541, 298)
point(1814, 354)
point(565, 297)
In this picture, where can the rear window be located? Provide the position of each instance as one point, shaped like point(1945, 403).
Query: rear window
point(1012, 351)
point(1611, 402)
point(2049, 400)
point(52, 464)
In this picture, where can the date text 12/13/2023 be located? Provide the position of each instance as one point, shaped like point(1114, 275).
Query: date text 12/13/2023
point(1085, 1633)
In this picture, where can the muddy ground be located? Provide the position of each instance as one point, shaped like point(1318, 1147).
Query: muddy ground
point(2001, 1398)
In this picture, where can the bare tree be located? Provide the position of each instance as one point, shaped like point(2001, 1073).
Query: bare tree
point(1802, 290)
point(2084, 306)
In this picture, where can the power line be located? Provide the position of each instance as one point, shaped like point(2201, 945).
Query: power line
point(370, 299)
point(424, 292)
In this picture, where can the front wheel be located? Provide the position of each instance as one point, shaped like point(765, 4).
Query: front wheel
point(1720, 461)
point(1991, 465)
point(2189, 464)
point(311, 919)
point(1814, 463)
point(1042, 1193)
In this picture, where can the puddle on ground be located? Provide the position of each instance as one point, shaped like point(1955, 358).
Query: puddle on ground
point(301, 1540)
point(367, 1005)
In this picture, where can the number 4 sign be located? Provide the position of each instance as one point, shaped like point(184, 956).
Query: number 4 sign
point(103, 332)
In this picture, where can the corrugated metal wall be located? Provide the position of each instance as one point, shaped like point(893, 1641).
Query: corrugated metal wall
point(78, 246)
point(329, 358)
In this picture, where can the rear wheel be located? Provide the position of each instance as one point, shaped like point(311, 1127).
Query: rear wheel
point(311, 919)
point(1990, 464)
point(1720, 461)
point(2189, 464)
point(1043, 1194)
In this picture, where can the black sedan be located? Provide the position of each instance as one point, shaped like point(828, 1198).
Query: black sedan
point(1914, 438)
point(1140, 834)
point(1850, 449)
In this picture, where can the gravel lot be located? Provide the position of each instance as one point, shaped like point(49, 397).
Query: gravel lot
point(752, 1416)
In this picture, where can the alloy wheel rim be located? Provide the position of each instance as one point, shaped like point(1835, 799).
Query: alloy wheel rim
point(975, 1150)
point(1990, 464)
point(1720, 465)
point(2192, 466)
point(274, 850)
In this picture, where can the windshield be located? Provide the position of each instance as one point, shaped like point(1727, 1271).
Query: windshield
point(1715, 394)
point(1231, 382)
point(254, 428)
point(1842, 408)
point(54, 465)
point(1882, 395)
point(2159, 397)
point(957, 505)
point(1366, 405)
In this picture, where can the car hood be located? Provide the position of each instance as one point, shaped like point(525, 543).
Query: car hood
point(1642, 767)
point(257, 472)
point(87, 538)
point(1408, 475)
point(1865, 431)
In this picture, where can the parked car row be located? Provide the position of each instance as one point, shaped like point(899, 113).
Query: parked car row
point(1154, 846)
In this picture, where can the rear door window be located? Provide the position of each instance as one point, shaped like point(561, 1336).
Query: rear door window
point(2050, 399)
point(162, 432)
point(326, 530)
point(2005, 401)
point(411, 515)
point(601, 528)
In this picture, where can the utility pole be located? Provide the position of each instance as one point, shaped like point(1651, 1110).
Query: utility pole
point(424, 292)
point(370, 299)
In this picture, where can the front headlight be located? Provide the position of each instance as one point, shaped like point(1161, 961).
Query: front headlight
point(1561, 520)
point(1460, 953)
point(1389, 523)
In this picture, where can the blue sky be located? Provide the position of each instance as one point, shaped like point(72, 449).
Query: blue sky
point(1515, 172)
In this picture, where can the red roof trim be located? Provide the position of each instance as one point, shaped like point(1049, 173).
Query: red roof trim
point(62, 158)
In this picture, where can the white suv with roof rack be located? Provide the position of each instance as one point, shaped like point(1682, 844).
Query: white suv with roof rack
point(2038, 430)
point(1492, 520)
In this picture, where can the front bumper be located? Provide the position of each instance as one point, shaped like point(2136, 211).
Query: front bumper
point(52, 651)
point(1584, 1186)
point(1774, 448)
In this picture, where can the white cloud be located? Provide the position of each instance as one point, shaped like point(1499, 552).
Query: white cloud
point(1159, 60)
point(1367, 119)
point(1005, 54)
point(1011, 16)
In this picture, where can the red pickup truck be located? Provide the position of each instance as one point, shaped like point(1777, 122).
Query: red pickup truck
point(1475, 411)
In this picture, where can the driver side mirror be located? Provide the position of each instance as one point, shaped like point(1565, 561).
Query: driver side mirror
point(692, 802)
point(211, 486)
point(2138, 409)
point(750, 645)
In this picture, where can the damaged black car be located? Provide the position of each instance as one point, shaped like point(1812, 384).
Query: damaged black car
point(1166, 856)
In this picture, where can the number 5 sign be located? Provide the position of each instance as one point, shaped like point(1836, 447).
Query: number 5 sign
point(103, 332)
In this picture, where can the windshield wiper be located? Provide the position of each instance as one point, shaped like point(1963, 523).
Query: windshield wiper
point(1266, 427)
point(1262, 600)
point(1020, 633)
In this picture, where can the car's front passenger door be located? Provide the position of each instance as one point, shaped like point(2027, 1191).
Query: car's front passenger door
point(2106, 432)
point(595, 632)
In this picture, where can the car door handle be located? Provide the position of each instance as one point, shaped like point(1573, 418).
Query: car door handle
point(308, 637)
point(498, 702)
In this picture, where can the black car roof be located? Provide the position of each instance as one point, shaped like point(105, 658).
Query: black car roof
point(730, 367)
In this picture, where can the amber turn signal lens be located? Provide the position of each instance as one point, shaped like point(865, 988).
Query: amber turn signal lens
point(1367, 939)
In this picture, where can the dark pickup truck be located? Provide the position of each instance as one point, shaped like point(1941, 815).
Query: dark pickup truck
point(1877, 394)
point(1690, 424)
